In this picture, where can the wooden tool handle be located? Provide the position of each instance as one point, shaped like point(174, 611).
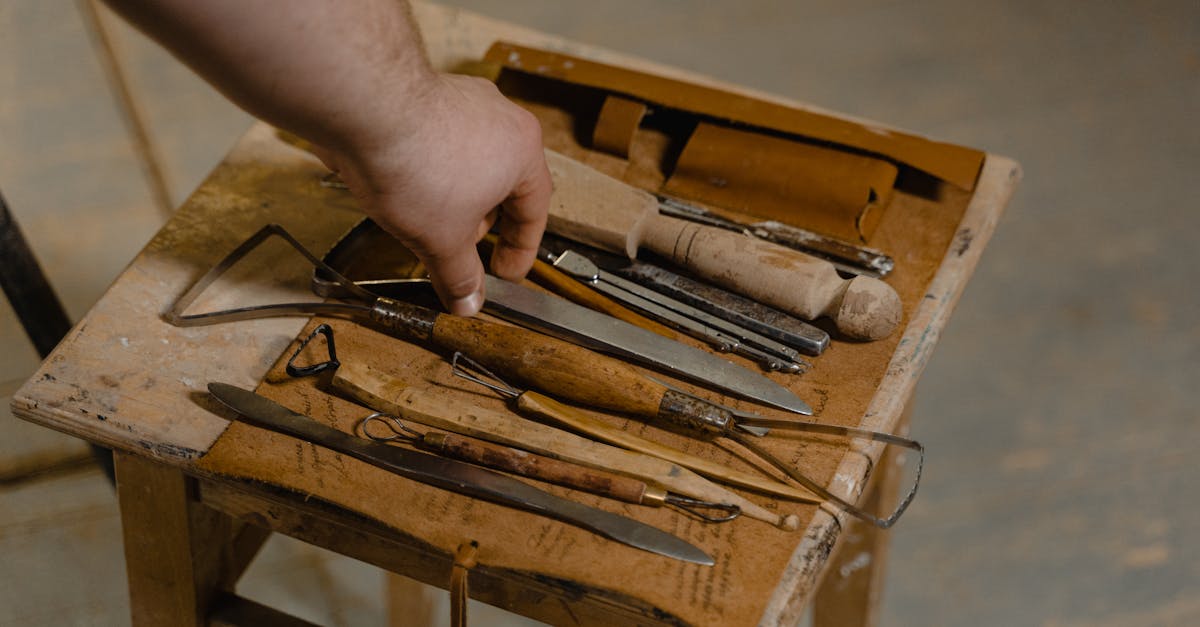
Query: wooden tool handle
point(596, 209)
point(863, 308)
point(389, 394)
point(543, 468)
point(568, 417)
point(578, 293)
point(551, 365)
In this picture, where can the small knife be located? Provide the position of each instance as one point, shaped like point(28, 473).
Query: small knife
point(455, 476)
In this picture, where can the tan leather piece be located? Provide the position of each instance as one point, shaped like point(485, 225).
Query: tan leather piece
point(954, 164)
point(618, 121)
point(838, 193)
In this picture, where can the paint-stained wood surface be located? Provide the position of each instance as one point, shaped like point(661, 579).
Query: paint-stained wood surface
point(127, 379)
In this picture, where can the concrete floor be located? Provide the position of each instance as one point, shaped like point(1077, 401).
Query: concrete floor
point(1058, 411)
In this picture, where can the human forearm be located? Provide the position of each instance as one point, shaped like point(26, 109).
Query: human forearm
point(320, 68)
point(434, 158)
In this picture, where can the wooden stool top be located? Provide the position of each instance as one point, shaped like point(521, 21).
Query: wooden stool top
point(126, 379)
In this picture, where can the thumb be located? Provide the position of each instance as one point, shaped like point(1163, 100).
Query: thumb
point(457, 277)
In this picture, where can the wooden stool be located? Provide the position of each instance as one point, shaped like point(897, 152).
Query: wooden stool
point(126, 379)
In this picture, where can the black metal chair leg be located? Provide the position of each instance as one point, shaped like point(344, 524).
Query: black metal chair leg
point(37, 306)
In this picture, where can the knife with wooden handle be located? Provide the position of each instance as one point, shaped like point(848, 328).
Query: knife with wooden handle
point(596, 209)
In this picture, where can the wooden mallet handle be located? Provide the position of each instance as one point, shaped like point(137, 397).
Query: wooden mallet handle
point(596, 209)
point(863, 308)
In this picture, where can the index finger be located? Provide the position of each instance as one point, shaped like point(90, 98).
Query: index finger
point(522, 222)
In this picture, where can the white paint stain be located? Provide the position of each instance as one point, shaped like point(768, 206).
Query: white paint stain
point(125, 342)
point(860, 561)
point(846, 480)
point(188, 382)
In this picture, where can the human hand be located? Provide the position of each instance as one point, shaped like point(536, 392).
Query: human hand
point(430, 156)
point(437, 175)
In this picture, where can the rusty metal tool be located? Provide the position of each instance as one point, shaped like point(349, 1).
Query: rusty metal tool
point(717, 332)
point(726, 305)
point(455, 476)
point(598, 210)
point(737, 309)
point(844, 256)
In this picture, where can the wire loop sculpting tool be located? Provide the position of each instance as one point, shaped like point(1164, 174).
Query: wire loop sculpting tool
point(562, 414)
point(380, 392)
point(497, 457)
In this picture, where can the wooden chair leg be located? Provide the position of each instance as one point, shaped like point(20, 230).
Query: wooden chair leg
point(409, 602)
point(852, 589)
point(179, 554)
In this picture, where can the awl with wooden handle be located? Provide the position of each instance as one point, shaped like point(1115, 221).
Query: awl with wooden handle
point(596, 209)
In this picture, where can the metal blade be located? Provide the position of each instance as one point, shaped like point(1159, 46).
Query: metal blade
point(455, 476)
point(568, 321)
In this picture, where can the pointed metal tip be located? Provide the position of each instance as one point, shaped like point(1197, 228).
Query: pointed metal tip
point(678, 549)
point(790, 402)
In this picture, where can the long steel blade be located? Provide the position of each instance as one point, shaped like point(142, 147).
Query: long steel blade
point(455, 476)
point(568, 321)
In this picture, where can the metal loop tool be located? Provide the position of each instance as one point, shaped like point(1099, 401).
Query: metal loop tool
point(402, 432)
point(466, 368)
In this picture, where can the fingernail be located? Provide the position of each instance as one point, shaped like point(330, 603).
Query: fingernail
point(468, 305)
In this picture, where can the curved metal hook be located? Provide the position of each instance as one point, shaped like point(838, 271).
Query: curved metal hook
point(400, 431)
point(329, 364)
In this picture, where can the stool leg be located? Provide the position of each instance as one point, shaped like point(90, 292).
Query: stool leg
point(850, 593)
point(410, 602)
point(177, 553)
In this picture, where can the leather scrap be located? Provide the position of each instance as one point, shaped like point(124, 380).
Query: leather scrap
point(957, 165)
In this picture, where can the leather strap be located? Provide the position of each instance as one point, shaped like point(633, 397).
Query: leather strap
point(464, 561)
